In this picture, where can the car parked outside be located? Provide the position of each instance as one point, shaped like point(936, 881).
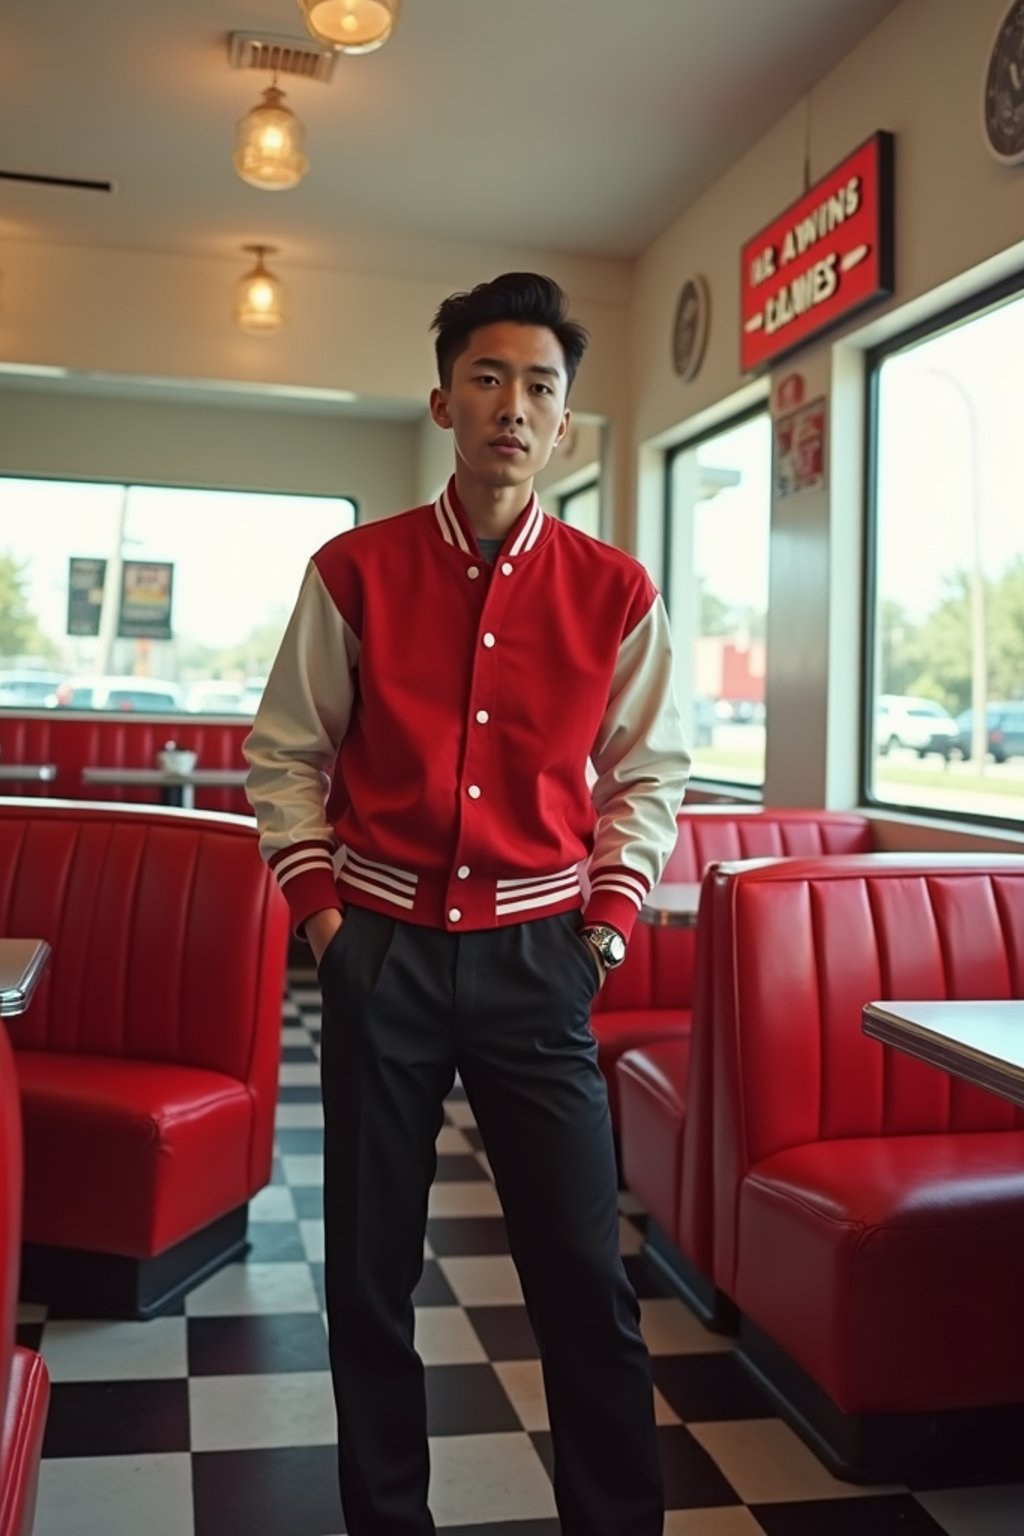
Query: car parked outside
point(1005, 722)
point(148, 695)
point(921, 725)
point(27, 688)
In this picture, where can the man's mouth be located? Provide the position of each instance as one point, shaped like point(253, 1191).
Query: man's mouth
point(508, 444)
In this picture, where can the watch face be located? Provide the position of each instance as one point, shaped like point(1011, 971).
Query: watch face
point(1003, 105)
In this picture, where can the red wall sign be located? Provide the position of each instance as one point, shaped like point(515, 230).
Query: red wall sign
point(829, 254)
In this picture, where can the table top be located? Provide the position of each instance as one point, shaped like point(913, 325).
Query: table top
point(22, 962)
point(201, 777)
point(980, 1041)
point(673, 904)
point(10, 772)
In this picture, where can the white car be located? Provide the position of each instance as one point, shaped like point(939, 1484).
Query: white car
point(920, 725)
point(146, 695)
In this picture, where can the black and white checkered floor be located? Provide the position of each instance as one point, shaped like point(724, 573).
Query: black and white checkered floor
point(218, 1421)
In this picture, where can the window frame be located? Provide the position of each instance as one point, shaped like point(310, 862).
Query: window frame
point(737, 790)
point(583, 489)
point(950, 318)
point(161, 485)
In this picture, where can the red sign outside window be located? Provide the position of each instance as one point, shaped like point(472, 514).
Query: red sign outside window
point(828, 255)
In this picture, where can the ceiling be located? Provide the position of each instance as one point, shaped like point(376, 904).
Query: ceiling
point(578, 126)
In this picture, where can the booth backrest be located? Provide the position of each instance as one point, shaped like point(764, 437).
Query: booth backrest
point(10, 1209)
point(74, 741)
point(659, 972)
point(798, 949)
point(168, 932)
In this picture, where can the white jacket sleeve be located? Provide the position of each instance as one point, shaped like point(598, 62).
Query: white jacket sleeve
point(642, 766)
point(291, 749)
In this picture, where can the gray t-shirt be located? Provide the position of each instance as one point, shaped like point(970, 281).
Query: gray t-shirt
point(489, 548)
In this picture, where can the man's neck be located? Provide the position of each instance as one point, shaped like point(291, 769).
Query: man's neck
point(491, 510)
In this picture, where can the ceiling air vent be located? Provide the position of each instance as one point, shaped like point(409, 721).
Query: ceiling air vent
point(280, 55)
point(78, 183)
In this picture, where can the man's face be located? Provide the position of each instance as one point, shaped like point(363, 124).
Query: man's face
point(506, 402)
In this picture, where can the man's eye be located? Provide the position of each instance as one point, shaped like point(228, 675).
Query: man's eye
point(544, 389)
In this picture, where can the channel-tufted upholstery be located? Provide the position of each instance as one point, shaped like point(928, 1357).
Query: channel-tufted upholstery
point(650, 997)
point(74, 741)
point(24, 1382)
point(148, 1060)
point(868, 1209)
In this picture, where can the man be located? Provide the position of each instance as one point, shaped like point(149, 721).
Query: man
point(419, 775)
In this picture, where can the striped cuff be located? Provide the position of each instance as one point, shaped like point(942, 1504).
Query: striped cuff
point(616, 896)
point(305, 873)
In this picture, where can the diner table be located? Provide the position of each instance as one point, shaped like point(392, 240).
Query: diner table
point(22, 962)
point(176, 788)
point(980, 1041)
point(22, 773)
point(672, 904)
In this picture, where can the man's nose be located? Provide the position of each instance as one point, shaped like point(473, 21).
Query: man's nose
point(511, 407)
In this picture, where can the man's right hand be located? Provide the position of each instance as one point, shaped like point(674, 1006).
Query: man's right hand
point(320, 930)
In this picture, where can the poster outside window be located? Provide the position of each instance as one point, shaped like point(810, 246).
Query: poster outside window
point(146, 591)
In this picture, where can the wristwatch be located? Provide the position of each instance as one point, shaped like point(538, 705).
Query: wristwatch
point(608, 942)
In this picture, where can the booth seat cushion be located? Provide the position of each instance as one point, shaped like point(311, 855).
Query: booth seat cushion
point(624, 1029)
point(129, 1156)
point(21, 1442)
point(900, 1240)
point(652, 1112)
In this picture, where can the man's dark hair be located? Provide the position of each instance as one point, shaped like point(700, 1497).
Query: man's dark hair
point(526, 298)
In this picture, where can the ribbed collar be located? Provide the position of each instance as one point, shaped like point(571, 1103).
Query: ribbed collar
point(455, 527)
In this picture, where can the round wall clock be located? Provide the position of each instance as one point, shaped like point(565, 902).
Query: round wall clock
point(1003, 101)
point(690, 327)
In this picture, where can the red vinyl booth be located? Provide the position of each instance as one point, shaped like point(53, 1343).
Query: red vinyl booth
point(868, 1208)
point(74, 740)
point(649, 998)
point(24, 1383)
point(663, 1125)
point(148, 1060)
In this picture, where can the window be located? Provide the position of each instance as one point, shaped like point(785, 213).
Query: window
point(718, 507)
point(946, 657)
point(581, 508)
point(146, 598)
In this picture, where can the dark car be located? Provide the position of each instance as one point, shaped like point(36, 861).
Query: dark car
point(1005, 722)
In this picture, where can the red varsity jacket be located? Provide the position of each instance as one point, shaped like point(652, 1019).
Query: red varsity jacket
point(423, 741)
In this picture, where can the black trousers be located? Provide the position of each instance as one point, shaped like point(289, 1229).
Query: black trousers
point(404, 1008)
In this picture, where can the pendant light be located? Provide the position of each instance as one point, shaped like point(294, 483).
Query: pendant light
point(270, 145)
point(352, 26)
point(259, 296)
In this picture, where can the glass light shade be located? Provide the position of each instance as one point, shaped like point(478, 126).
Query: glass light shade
point(259, 298)
point(352, 26)
point(270, 145)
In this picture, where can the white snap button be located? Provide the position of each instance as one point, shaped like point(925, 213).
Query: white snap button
point(463, 871)
point(488, 640)
point(473, 571)
point(473, 792)
point(506, 568)
point(454, 915)
point(482, 717)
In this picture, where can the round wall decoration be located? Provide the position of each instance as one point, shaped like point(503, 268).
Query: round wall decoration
point(1003, 100)
point(690, 327)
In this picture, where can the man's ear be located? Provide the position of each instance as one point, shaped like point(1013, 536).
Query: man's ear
point(439, 408)
point(563, 429)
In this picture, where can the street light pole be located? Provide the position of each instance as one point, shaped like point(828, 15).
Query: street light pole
point(979, 649)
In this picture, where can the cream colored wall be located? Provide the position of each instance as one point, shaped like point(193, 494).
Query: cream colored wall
point(135, 312)
point(959, 223)
point(78, 437)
